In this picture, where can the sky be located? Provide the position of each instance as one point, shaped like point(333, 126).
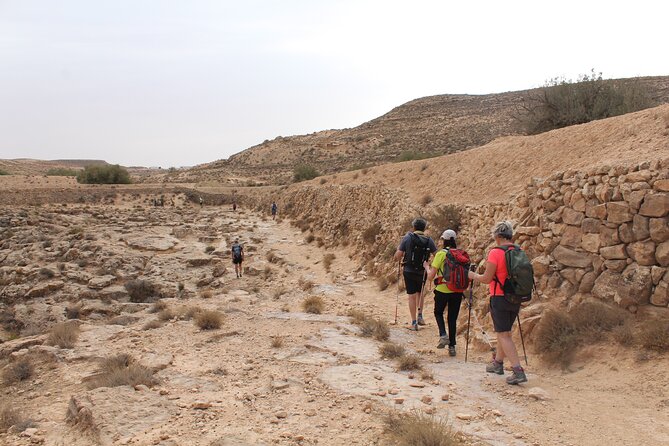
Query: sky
point(177, 83)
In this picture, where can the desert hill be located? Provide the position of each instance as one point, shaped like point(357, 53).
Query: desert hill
point(26, 166)
point(430, 126)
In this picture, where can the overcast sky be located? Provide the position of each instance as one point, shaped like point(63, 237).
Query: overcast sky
point(172, 83)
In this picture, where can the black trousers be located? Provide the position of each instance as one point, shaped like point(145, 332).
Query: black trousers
point(452, 301)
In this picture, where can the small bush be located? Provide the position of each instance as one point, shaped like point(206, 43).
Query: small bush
point(305, 284)
point(157, 307)
point(17, 371)
point(304, 172)
point(165, 315)
point(309, 238)
point(62, 172)
point(152, 325)
point(103, 174)
point(593, 318)
point(390, 350)
point(277, 342)
point(9, 417)
point(206, 294)
point(4, 172)
point(322, 181)
point(426, 199)
point(556, 338)
point(122, 370)
point(313, 304)
point(446, 217)
point(409, 362)
point(410, 155)
point(64, 335)
point(623, 335)
point(327, 261)
point(188, 313)
point(369, 234)
point(277, 293)
point(73, 311)
point(382, 283)
point(141, 290)
point(209, 249)
point(418, 429)
point(654, 335)
point(375, 328)
point(46, 273)
point(209, 320)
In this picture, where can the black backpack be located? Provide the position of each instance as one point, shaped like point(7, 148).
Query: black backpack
point(419, 251)
point(519, 283)
point(237, 251)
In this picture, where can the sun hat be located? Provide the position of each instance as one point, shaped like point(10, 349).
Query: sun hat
point(448, 234)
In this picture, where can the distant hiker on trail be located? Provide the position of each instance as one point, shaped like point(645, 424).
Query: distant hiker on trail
point(449, 270)
point(234, 206)
point(414, 250)
point(503, 312)
point(274, 209)
point(201, 201)
point(237, 257)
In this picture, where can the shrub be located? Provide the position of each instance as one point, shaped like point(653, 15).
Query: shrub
point(446, 217)
point(391, 351)
point(278, 292)
point(309, 238)
point(277, 342)
point(409, 362)
point(209, 249)
point(4, 172)
point(563, 102)
point(64, 335)
point(141, 290)
point(327, 261)
point(304, 172)
point(151, 325)
point(382, 283)
point(122, 370)
point(9, 417)
point(17, 371)
point(654, 335)
point(369, 234)
point(62, 172)
point(593, 318)
point(209, 320)
point(73, 311)
point(623, 335)
point(103, 174)
point(305, 284)
point(556, 338)
point(46, 273)
point(206, 294)
point(376, 328)
point(418, 429)
point(357, 316)
point(313, 304)
point(157, 307)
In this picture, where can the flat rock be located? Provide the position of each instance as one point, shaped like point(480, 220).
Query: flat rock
point(152, 242)
point(538, 394)
point(98, 283)
point(464, 416)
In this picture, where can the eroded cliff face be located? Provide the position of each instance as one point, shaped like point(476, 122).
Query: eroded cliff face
point(603, 232)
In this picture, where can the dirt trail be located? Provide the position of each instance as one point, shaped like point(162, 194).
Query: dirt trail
point(325, 384)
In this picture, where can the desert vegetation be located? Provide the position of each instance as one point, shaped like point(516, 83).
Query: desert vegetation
point(419, 429)
point(103, 174)
point(313, 304)
point(122, 370)
point(303, 172)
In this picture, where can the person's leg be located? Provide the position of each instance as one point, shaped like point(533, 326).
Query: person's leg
point(507, 348)
point(413, 298)
point(454, 302)
point(440, 302)
point(421, 300)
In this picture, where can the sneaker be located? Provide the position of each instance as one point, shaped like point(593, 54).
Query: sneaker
point(451, 350)
point(443, 342)
point(517, 377)
point(421, 321)
point(495, 367)
point(414, 326)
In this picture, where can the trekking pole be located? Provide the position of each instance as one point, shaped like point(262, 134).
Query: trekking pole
point(469, 317)
point(397, 296)
point(420, 297)
point(522, 341)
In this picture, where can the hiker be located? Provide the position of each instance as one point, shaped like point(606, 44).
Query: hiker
point(274, 208)
point(503, 312)
point(237, 257)
point(449, 271)
point(234, 206)
point(415, 249)
point(201, 201)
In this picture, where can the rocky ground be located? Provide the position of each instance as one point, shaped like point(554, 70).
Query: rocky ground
point(272, 373)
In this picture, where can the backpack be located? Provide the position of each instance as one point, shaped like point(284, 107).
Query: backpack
point(419, 251)
point(519, 283)
point(454, 270)
point(237, 252)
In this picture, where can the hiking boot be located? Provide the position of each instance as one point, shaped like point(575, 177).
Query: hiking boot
point(443, 342)
point(451, 350)
point(414, 326)
point(421, 321)
point(517, 377)
point(495, 367)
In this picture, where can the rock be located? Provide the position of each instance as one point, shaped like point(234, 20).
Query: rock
point(640, 227)
point(113, 292)
point(46, 288)
point(618, 212)
point(417, 384)
point(281, 414)
point(156, 361)
point(593, 210)
point(660, 297)
point(531, 231)
point(635, 198)
point(496, 413)
point(572, 217)
point(661, 185)
point(591, 225)
point(198, 261)
point(464, 416)
point(609, 236)
point(587, 282)
point(152, 242)
point(572, 237)
point(662, 253)
point(590, 242)
point(280, 385)
point(569, 257)
point(426, 399)
point(541, 265)
point(632, 287)
point(616, 252)
point(98, 283)
point(643, 252)
point(394, 391)
point(538, 394)
point(656, 273)
point(200, 405)
point(655, 205)
point(445, 397)
point(659, 229)
point(615, 265)
point(399, 400)
point(625, 233)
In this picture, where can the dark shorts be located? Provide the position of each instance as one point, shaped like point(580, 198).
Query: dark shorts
point(503, 313)
point(413, 282)
point(237, 261)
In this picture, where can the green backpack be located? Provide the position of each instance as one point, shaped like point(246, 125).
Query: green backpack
point(519, 283)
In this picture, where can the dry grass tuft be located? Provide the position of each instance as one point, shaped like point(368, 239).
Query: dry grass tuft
point(186, 313)
point(206, 294)
point(277, 342)
point(390, 350)
point(623, 335)
point(152, 325)
point(313, 304)
point(327, 261)
point(158, 306)
point(375, 328)
point(555, 338)
point(209, 320)
point(141, 290)
point(654, 335)
point(310, 238)
point(17, 371)
point(122, 370)
point(305, 285)
point(418, 429)
point(166, 315)
point(64, 335)
point(277, 293)
point(73, 311)
point(357, 316)
point(382, 283)
point(409, 362)
point(426, 199)
point(9, 417)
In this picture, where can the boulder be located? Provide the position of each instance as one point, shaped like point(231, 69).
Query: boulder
point(615, 252)
point(609, 236)
point(198, 261)
point(660, 297)
point(615, 265)
point(661, 185)
point(662, 253)
point(572, 258)
point(635, 198)
point(587, 282)
point(632, 287)
point(659, 229)
point(541, 265)
point(597, 211)
point(657, 272)
point(591, 225)
point(642, 252)
point(113, 292)
point(572, 217)
point(618, 212)
point(152, 242)
point(640, 227)
point(46, 288)
point(97, 283)
point(571, 237)
point(531, 231)
point(625, 233)
point(590, 242)
point(655, 205)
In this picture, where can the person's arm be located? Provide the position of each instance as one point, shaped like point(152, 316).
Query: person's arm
point(399, 255)
point(488, 274)
point(431, 271)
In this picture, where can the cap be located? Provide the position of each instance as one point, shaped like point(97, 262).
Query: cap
point(448, 234)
